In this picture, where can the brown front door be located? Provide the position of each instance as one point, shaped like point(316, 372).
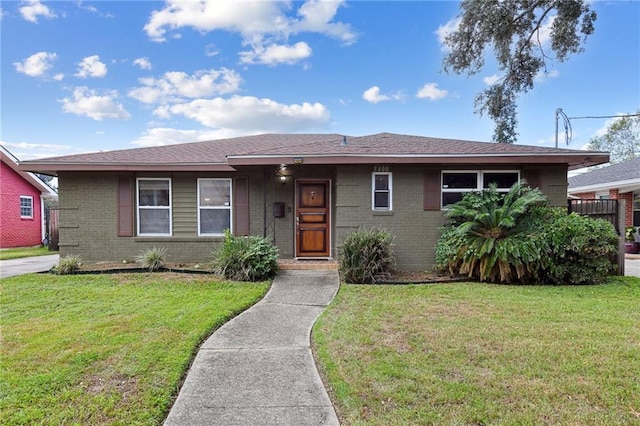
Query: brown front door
point(313, 224)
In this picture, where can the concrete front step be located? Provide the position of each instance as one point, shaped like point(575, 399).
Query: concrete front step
point(307, 264)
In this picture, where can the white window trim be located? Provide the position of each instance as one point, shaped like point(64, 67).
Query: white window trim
point(170, 208)
point(479, 181)
point(373, 192)
point(30, 198)
point(230, 207)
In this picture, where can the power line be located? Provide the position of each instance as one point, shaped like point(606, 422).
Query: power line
point(604, 116)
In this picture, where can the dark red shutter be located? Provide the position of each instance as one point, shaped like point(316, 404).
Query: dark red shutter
point(241, 206)
point(532, 178)
point(125, 207)
point(432, 190)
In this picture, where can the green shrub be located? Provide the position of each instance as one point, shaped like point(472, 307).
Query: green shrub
point(153, 259)
point(68, 265)
point(492, 236)
point(367, 256)
point(579, 250)
point(516, 237)
point(246, 258)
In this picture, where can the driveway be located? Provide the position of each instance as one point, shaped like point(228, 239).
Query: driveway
point(27, 265)
point(632, 266)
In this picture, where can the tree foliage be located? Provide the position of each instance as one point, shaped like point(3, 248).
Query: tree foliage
point(622, 139)
point(515, 31)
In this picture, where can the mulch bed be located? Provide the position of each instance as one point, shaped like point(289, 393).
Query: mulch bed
point(400, 277)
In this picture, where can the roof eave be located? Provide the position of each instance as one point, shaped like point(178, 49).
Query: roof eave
point(626, 185)
point(572, 160)
point(54, 168)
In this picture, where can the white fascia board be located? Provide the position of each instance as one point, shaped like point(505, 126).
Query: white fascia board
point(626, 185)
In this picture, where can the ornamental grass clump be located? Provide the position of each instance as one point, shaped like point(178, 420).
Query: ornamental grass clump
point(249, 258)
point(367, 256)
point(153, 259)
point(68, 265)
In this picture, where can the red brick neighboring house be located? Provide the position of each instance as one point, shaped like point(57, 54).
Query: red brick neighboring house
point(22, 196)
point(620, 181)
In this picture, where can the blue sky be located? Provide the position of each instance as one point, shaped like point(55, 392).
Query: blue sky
point(81, 76)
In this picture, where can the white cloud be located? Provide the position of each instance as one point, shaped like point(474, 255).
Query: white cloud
point(431, 91)
point(490, 80)
point(143, 63)
point(543, 76)
point(248, 18)
point(89, 103)
point(210, 50)
point(317, 16)
point(91, 67)
point(251, 114)
point(373, 95)
point(31, 151)
point(175, 85)
point(159, 136)
point(58, 77)
point(276, 54)
point(445, 29)
point(32, 9)
point(543, 35)
point(36, 65)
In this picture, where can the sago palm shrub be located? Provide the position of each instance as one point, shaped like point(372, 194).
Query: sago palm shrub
point(492, 235)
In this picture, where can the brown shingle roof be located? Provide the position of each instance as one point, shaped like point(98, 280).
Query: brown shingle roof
point(320, 148)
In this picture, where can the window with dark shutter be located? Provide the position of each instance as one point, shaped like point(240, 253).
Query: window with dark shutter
point(125, 207)
point(431, 190)
point(241, 206)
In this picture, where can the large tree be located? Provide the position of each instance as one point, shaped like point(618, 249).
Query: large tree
point(621, 139)
point(515, 32)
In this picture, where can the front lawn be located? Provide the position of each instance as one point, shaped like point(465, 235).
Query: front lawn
point(17, 253)
point(483, 354)
point(105, 349)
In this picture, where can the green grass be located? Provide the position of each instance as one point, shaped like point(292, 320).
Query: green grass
point(17, 253)
point(105, 349)
point(483, 354)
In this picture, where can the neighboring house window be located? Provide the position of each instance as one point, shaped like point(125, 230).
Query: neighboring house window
point(214, 206)
point(457, 183)
point(154, 206)
point(382, 192)
point(602, 195)
point(26, 207)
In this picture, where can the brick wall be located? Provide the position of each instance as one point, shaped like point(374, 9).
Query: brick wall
point(14, 230)
point(88, 212)
point(614, 194)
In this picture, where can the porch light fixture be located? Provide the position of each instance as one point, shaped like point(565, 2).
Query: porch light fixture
point(283, 172)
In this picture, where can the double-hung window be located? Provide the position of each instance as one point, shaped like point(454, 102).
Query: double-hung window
point(214, 206)
point(26, 207)
point(154, 206)
point(381, 191)
point(456, 183)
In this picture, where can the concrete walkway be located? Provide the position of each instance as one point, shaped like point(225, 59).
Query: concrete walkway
point(27, 265)
point(258, 369)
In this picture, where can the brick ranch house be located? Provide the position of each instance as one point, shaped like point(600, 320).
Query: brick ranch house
point(305, 191)
point(22, 204)
point(620, 181)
